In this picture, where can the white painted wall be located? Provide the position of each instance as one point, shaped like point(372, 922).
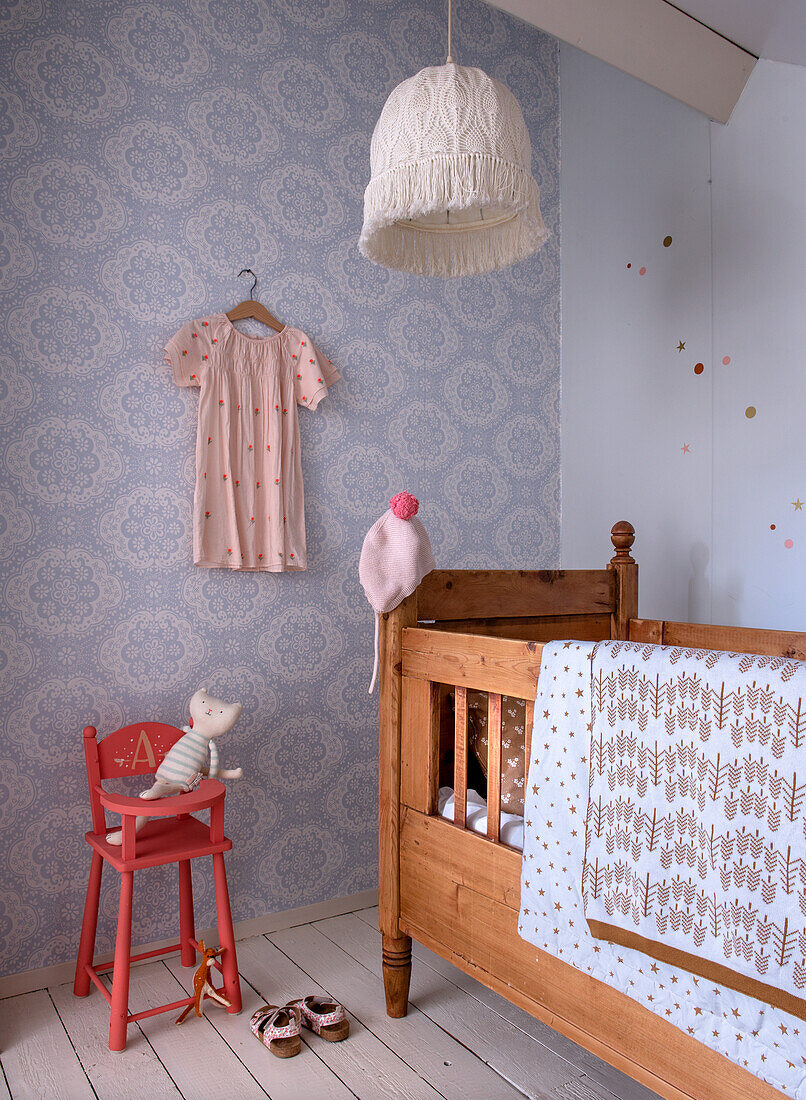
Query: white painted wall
point(759, 242)
point(634, 169)
point(637, 166)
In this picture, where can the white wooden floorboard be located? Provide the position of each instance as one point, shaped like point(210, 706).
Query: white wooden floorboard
point(197, 1058)
point(130, 1074)
point(37, 1057)
point(300, 1078)
point(583, 1088)
point(362, 1062)
point(452, 1069)
point(55, 1045)
point(618, 1083)
point(613, 1080)
point(530, 1065)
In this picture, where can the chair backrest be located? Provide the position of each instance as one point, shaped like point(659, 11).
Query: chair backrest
point(138, 749)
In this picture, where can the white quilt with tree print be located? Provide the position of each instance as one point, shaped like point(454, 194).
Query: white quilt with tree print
point(765, 1040)
point(696, 824)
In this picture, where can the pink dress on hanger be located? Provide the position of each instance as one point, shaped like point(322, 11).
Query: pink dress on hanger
point(249, 507)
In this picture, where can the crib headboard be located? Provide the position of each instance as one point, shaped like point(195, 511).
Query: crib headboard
point(536, 605)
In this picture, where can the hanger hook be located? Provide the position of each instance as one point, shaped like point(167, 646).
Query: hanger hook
point(249, 271)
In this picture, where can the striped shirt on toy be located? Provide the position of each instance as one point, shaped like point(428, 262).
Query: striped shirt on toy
point(187, 760)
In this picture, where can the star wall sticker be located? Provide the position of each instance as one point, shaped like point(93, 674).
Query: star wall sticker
point(686, 449)
point(681, 345)
point(797, 505)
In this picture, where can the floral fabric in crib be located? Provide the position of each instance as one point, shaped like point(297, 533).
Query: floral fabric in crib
point(513, 745)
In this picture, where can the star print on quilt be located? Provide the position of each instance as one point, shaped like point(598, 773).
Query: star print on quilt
point(766, 1041)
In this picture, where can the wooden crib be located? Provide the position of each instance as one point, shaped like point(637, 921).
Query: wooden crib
point(458, 893)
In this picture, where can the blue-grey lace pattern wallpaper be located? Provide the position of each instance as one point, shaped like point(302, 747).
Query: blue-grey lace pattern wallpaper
point(148, 152)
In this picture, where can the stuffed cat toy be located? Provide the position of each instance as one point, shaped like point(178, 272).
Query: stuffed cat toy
point(194, 755)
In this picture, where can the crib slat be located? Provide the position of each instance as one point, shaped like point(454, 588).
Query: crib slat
point(460, 758)
point(494, 766)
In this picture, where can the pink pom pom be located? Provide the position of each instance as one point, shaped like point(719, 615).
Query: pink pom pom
point(404, 505)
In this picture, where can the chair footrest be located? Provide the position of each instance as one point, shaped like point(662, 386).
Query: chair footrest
point(96, 971)
point(97, 981)
point(145, 955)
point(133, 1017)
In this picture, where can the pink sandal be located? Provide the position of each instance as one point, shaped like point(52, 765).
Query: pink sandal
point(326, 1018)
point(278, 1029)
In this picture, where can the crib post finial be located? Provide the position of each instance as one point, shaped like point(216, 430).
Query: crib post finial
point(622, 535)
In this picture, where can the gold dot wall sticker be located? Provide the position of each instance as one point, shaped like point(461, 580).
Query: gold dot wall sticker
point(667, 240)
point(750, 412)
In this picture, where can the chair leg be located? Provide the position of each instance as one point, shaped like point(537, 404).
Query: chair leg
point(120, 975)
point(229, 960)
point(86, 946)
point(187, 923)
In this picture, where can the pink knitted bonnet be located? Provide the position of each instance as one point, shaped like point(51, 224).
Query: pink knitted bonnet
point(395, 557)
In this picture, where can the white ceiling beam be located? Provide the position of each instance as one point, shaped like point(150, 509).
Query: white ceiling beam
point(651, 40)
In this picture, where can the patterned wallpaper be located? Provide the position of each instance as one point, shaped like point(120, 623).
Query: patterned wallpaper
point(149, 151)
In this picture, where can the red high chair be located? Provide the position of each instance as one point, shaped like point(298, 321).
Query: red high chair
point(139, 750)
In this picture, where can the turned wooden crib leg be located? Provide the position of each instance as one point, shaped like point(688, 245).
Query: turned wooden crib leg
point(396, 974)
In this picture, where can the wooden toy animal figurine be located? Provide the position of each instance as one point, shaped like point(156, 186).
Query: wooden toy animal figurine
point(194, 755)
point(202, 986)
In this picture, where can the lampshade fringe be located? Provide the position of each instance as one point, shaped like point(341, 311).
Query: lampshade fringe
point(451, 181)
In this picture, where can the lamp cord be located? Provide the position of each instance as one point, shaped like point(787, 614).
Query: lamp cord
point(449, 59)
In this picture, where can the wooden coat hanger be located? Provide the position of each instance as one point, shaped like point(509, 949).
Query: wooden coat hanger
point(249, 308)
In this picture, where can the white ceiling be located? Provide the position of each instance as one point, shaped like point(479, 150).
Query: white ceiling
point(652, 40)
point(698, 51)
point(775, 29)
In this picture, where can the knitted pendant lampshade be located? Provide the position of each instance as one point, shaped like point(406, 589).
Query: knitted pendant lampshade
point(451, 190)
